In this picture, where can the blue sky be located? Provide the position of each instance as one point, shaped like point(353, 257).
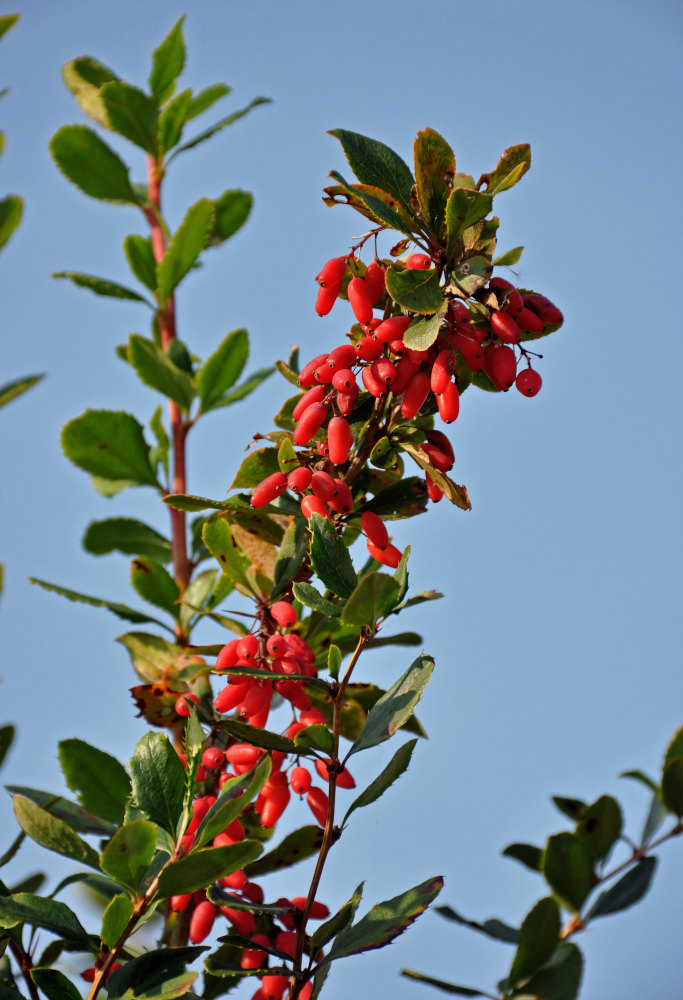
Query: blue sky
point(558, 640)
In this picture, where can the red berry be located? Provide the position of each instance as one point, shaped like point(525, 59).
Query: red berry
point(439, 459)
point(273, 987)
point(318, 910)
point(546, 309)
point(316, 394)
point(383, 370)
point(343, 780)
point(505, 327)
point(180, 903)
point(227, 657)
point(418, 262)
point(306, 377)
point(415, 394)
point(255, 701)
point(360, 300)
point(343, 502)
point(441, 441)
point(528, 321)
point(300, 780)
point(344, 379)
point(201, 921)
point(241, 920)
point(312, 505)
point(442, 369)
point(299, 479)
point(276, 645)
point(342, 356)
point(405, 369)
point(274, 806)
point(392, 328)
point(332, 271)
point(318, 802)
point(243, 753)
point(374, 527)
point(528, 382)
point(284, 614)
point(252, 958)
point(271, 487)
point(374, 279)
point(388, 556)
point(247, 647)
point(449, 403)
point(323, 485)
point(369, 348)
point(500, 365)
point(231, 696)
point(182, 706)
point(212, 757)
point(340, 440)
point(347, 400)
point(326, 298)
point(434, 492)
point(372, 384)
point(310, 423)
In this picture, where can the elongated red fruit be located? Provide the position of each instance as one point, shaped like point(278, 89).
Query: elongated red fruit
point(360, 300)
point(374, 527)
point(505, 327)
point(369, 348)
point(434, 492)
point(310, 423)
point(231, 696)
point(272, 987)
point(318, 910)
point(299, 479)
point(323, 485)
point(201, 921)
point(374, 279)
point(415, 394)
point(383, 370)
point(306, 377)
point(372, 384)
point(300, 780)
point(274, 806)
point(441, 441)
point(317, 802)
point(342, 356)
point(418, 262)
point(332, 271)
point(529, 321)
point(284, 614)
point(346, 400)
point(343, 502)
point(343, 780)
point(272, 486)
point(241, 920)
point(439, 459)
point(546, 309)
point(442, 369)
point(449, 403)
point(500, 365)
point(313, 505)
point(228, 656)
point(344, 379)
point(405, 369)
point(315, 394)
point(392, 328)
point(388, 556)
point(326, 298)
point(252, 958)
point(339, 439)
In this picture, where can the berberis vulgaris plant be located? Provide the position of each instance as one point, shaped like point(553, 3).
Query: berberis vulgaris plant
point(269, 721)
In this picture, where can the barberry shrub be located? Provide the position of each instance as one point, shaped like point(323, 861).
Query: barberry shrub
point(270, 719)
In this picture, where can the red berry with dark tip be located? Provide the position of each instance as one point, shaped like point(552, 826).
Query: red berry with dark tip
point(418, 262)
point(310, 423)
point(360, 300)
point(326, 298)
point(269, 489)
point(182, 706)
point(528, 382)
point(339, 440)
point(505, 327)
point(202, 921)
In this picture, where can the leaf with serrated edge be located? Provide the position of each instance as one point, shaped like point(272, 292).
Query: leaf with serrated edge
point(151, 656)
point(372, 600)
point(143, 976)
point(235, 795)
point(120, 610)
point(434, 170)
point(101, 286)
point(307, 594)
point(422, 333)
point(158, 780)
point(132, 114)
point(336, 923)
point(91, 164)
point(330, 557)
point(396, 706)
point(101, 781)
point(168, 60)
point(376, 164)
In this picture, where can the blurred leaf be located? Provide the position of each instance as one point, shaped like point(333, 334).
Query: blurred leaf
point(168, 61)
point(416, 290)
point(422, 333)
point(125, 534)
point(675, 748)
point(372, 599)
point(129, 853)
point(7, 734)
point(385, 921)
point(330, 558)
point(672, 786)
point(403, 499)
point(511, 167)
point(156, 370)
point(235, 795)
point(158, 780)
point(109, 444)
point(184, 249)
point(172, 121)
point(53, 833)
point(155, 584)
point(151, 656)
point(32, 883)
point(84, 76)
point(290, 556)
point(374, 163)
point(221, 370)
point(539, 936)
point(100, 286)
point(202, 867)
point(396, 706)
point(394, 769)
point(219, 541)
point(440, 984)
point(336, 923)
point(154, 975)
point(203, 100)
point(656, 815)
point(492, 927)
point(509, 258)
point(526, 854)
point(295, 847)
point(187, 502)
point(91, 164)
point(231, 211)
point(219, 126)
point(568, 869)
point(141, 260)
point(101, 781)
point(132, 114)
point(10, 390)
point(11, 208)
point(434, 170)
point(54, 984)
point(307, 594)
point(120, 610)
point(630, 888)
point(38, 911)
point(642, 778)
point(7, 21)
point(600, 826)
point(115, 919)
point(75, 816)
point(573, 808)
point(245, 388)
point(559, 979)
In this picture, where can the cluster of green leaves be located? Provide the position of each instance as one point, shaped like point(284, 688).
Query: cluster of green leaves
point(546, 964)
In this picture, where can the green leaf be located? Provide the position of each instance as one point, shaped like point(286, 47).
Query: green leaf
point(656, 815)
point(129, 853)
point(11, 208)
point(91, 164)
point(168, 61)
point(140, 256)
point(295, 847)
point(127, 535)
point(394, 769)
point(172, 120)
point(402, 499)
point(132, 114)
point(219, 126)
point(334, 660)
point(330, 558)
point(434, 170)
point(372, 600)
point(156, 370)
point(231, 211)
point(464, 209)
point(630, 888)
point(568, 869)
point(7, 21)
point(53, 833)
point(307, 594)
point(10, 390)
point(235, 795)
point(336, 923)
point(154, 975)
point(221, 369)
point(317, 736)
point(472, 274)
point(39, 911)
point(158, 780)
point(75, 816)
point(54, 984)
point(101, 781)
point(492, 928)
point(244, 733)
point(85, 76)
point(100, 286)
point(290, 555)
point(672, 786)
point(385, 921)
point(255, 468)
point(511, 167)
point(509, 258)
point(422, 333)
point(115, 919)
point(573, 808)
point(559, 979)
point(120, 610)
point(396, 706)
point(207, 97)
point(418, 291)
point(218, 539)
point(155, 584)
point(202, 867)
point(378, 206)
point(184, 249)
point(152, 657)
point(187, 502)
point(109, 444)
point(675, 748)
point(441, 984)
point(7, 734)
point(600, 826)
point(539, 936)
point(526, 854)
point(376, 164)
point(453, 491)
